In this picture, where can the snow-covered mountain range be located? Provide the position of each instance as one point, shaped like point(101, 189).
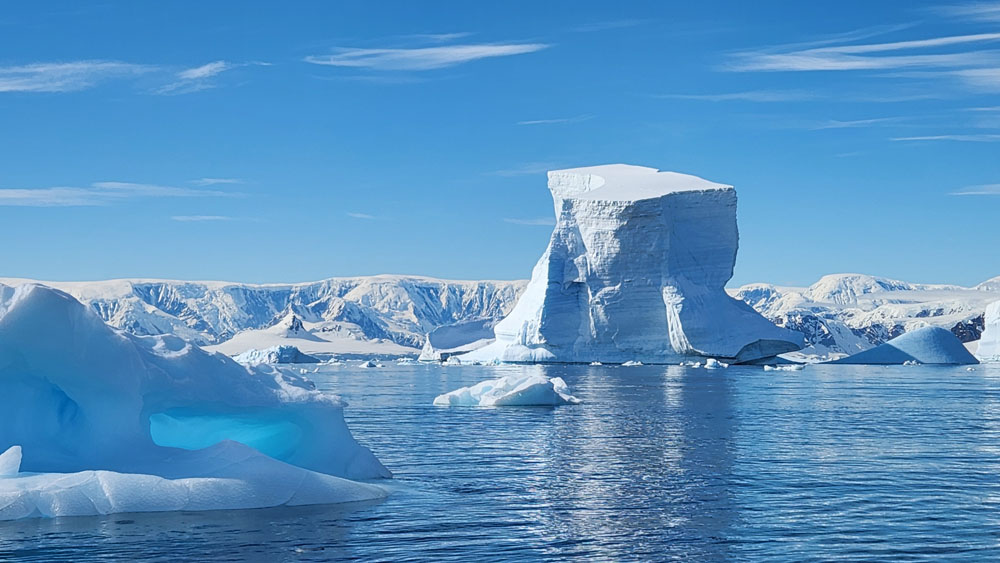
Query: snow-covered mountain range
point(359, 315)
point(847, 313)
point(840, 314)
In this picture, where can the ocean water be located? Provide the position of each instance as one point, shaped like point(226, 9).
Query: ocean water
point(658, 463)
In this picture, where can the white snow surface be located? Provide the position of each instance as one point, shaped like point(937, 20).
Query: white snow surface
point(635, 269)
point(108, 421)
point(512, 390)
point(842, 314)
point(989, 346)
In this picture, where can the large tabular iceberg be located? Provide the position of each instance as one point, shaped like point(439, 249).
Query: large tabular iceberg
point(636, 269)
point(989, 345)
point(927, 345)
point(109, 422)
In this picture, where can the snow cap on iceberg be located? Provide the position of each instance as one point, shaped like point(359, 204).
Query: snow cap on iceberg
point(927, 345)
point(636, 269)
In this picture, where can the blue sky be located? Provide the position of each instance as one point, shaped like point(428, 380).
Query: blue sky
point(259, 142)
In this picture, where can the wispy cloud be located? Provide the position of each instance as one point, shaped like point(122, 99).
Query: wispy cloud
point(82, 75)
point(98, 193)
point(356, 215)
point(207, 70)
point(976, 11)
point(972, 138)
point(527, 169)
point(575, 119)
point(539, 222)
point(983, 189)
point(440, 37)
point(835, 124)
point(868, 56)
point(215, 181)
point(421, 58)
point(66, 76)
point(200, 218)
point(746, 96)
point(200, 77)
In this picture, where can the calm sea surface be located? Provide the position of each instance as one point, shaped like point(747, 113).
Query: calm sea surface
point(658, 463)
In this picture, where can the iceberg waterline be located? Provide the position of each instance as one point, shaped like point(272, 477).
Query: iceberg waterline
point(96, 414)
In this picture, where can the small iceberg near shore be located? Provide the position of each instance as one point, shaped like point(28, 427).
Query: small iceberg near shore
point(929, 345)
point(512, 390)
point(284, 354)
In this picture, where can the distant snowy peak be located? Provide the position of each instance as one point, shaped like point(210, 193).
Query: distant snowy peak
point(844, 289)
point(842, 314)
point(990, 285)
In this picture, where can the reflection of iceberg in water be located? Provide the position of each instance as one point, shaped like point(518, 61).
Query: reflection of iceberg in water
point(643, 477)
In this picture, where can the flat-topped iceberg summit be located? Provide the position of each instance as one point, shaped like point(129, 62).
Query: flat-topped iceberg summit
point(989, 345)
point(636, 269)
point(928, 345)
point(94, 420)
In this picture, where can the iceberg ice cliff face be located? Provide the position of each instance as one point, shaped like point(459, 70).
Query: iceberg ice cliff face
point(636, 270)
point(100, 412)
point(989, 345)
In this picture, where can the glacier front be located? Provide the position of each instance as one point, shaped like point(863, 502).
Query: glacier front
point(635, 270)
point(95, 420)
point(989, 345)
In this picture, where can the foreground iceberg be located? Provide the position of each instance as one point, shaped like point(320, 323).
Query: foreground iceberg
point(275, 355)
point(927, 345)
point(512, 390)
point(989, 345)
point(636, 269)
point(156, 422)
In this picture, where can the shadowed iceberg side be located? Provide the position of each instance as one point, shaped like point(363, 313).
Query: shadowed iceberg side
point(636, 269)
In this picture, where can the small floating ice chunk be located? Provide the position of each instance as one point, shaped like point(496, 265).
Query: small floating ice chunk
point(712, 363)
point(631, 363)
point(785, 367)
point(512, 390)
point(453, 361)
point(596, 364)
point(369, 364)
point(10, 461)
